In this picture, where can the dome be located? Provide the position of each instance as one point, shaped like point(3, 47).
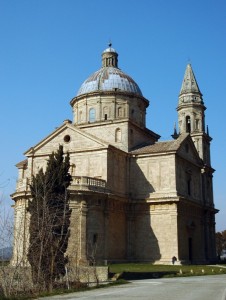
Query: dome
point(109, 77)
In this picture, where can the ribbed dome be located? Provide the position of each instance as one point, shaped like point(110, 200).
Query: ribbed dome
point(109, 77)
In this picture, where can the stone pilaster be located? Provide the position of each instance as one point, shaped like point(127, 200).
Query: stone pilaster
point(83, 242)
point(106, 233)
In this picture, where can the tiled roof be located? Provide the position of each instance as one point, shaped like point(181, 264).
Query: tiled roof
point(160, 147)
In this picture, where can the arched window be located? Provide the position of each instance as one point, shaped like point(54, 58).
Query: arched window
point(92, 115)
point(188, 124)
point(118, 135)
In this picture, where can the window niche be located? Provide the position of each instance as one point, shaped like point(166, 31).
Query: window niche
point(80, 116)
point(197, 124)
point(141, 118)
point(189, 186)
point(120, 112)
point(75, 115)
point(106, 112)
point(118, 135)
point(95, 238)
point(132, 112)
point(92, 115)
point(189, 182)
point(131, 137)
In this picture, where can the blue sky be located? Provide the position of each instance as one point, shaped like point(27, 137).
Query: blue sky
point(49, 47)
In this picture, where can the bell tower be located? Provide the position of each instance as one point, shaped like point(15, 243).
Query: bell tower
point(191, 115)
point(191, 118)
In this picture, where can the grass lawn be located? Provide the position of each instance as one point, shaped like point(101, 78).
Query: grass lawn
point(147, 270)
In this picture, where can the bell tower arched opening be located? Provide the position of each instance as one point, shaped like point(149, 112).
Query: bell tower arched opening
point(188, 124)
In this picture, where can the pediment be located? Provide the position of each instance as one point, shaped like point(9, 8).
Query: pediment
point(72, 138)
point(188, 151)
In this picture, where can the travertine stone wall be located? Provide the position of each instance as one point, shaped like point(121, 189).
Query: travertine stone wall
point(95, 232)
point(152, 176)
point(109, 106)
point(116, 118)
point(189, 174)
point(117, 169)
point(130, 134)
point(21, 233)
point(133, 213)
point(98, 230)
point(116, 231)
point(159, 226)
point(191, 225)
point(106, 229)
point(74, 242)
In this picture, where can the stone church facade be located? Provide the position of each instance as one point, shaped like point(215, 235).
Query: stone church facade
point(132, 198)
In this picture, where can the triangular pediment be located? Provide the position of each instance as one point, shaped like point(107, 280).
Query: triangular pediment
point(72, 138)
point(188, 151)
point(182, 146)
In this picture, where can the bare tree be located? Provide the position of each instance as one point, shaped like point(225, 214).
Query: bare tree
point(220, 242)
point(13, 280)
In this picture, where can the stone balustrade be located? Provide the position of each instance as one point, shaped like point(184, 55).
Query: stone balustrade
point(78, 183)
point(88, 183)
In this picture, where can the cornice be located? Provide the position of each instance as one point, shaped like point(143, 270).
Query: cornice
point(108, 93)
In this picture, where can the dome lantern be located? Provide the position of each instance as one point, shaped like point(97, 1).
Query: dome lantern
point(110, 57)
point(109, 77)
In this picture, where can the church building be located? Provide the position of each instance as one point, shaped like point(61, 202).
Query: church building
point(132, 197)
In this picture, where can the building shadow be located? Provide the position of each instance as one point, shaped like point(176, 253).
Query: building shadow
point(144, 243)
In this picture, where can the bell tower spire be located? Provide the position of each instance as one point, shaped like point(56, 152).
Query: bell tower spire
point(191, 114)
point(189, 84)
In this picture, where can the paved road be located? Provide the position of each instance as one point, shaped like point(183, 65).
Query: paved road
point(185, 288)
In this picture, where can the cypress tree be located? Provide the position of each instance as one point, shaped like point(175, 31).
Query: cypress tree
point(49, 220)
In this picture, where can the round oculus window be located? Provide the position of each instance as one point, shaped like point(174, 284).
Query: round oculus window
point(67, 138)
